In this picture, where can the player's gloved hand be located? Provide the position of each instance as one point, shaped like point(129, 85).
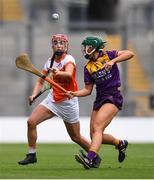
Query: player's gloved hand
point(53, 70)
point(30, 100)
point(70, 94)
point(108, 65)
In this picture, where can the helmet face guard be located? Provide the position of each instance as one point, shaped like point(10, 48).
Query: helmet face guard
point(62, 40)
point(90, 45)
point(87, 50)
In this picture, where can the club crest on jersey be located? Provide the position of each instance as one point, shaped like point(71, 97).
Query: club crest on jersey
point(92, 66)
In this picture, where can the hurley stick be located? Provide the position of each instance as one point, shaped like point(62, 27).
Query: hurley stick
point(23, 62)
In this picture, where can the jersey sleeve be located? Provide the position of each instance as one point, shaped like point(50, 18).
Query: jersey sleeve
point(46, 65)
point(87, 77)
point(112, 54)
point(70, 59)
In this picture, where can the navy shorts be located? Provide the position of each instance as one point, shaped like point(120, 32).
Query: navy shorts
point(115, 99)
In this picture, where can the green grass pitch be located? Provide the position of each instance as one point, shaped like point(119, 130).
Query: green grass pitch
point(56, 161)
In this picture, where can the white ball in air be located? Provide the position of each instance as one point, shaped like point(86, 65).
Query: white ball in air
point(55, 16)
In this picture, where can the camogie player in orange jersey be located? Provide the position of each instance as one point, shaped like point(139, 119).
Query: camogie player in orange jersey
point(63, 68)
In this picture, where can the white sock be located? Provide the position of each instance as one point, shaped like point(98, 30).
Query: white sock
point(31, 150)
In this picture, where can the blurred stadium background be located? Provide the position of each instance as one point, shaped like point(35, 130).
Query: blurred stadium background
point(26, 26)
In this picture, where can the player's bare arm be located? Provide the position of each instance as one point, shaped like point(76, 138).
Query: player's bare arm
point(67, 74)
point(39, 84)
point(123, 55)
point(37, 88)
point(86, 91)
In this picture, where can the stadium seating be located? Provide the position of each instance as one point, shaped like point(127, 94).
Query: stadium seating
point(11, 10)
point(138, 82)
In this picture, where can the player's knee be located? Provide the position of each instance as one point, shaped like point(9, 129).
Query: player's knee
point(75, 138)
point(96, 130)
point(99, 127)
point(31, 123)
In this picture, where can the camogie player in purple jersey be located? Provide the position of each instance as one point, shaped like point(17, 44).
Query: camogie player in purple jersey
point(102, 70)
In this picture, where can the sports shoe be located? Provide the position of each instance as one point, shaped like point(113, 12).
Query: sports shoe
point(96, 161)
point(30, 158)
point(122, 146)
point(87, 164)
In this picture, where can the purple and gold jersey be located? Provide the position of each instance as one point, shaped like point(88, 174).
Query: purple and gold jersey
point(107, 82)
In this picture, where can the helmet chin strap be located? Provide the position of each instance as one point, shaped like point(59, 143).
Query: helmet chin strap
point(59, 53)
point(93, 56)
point(87, 56)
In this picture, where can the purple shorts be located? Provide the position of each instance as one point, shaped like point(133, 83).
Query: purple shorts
point(114, 98)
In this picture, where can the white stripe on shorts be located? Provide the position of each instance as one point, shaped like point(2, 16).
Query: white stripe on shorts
point(67, 110)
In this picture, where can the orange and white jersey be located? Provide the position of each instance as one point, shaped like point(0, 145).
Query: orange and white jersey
point(70, 85)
